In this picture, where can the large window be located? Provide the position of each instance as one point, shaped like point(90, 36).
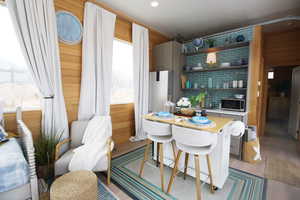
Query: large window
point(16, 85)
point(122, 73)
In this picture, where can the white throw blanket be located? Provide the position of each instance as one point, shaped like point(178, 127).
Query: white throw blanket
point(94, 146)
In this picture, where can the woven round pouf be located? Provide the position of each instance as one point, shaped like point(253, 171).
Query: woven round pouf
point(77, 185)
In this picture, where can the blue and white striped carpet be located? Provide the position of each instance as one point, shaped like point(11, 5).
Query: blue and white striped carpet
point(104, 192)
point(239, 185)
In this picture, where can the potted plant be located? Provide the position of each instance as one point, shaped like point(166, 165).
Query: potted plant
point(45, 147)
point(199, 99)
point(184, 106)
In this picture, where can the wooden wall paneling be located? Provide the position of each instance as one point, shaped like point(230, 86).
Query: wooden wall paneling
point(282, 48)
point(122, 122)
point(255, 60)
point(264, 101)
point(123, 30)
point(31, 118)
point(261, 98)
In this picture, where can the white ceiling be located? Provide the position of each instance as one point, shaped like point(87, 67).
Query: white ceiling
point(200, 17)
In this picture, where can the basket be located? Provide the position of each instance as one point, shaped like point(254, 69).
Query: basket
point(187, 111)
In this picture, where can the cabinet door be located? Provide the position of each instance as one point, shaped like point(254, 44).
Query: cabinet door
point(163, 56)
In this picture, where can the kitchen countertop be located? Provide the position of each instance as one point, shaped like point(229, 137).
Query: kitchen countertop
point(228, 112)
point(220, 122)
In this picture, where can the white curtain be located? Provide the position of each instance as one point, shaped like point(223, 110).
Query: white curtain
point(35, 24)
point(98, 35)
point(140, 37)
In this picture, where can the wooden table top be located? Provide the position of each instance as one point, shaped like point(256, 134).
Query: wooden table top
point(219, 121)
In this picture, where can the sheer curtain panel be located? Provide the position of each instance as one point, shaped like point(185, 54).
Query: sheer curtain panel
point(96, 78)
point(35, 24)
point(140, 37)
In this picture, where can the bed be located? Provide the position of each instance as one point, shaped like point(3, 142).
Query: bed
point(18, 180)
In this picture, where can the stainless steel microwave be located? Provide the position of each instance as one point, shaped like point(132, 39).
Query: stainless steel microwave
point(233, 104)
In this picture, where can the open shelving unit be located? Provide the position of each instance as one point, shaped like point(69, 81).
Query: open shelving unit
point(221, 48)
point(208, 69)
point(198, 89)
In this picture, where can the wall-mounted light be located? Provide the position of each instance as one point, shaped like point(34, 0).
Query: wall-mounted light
point(211, 58)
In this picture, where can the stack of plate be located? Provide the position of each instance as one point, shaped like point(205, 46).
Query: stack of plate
point(200, 120)
point(164, 114)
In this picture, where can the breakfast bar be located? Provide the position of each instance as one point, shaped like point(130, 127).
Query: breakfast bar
point(219, 156)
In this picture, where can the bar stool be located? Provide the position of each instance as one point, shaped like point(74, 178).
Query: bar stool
point(198, 143)
point(160, 133)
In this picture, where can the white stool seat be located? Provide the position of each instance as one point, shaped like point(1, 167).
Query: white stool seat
point(195, 142)
point(160, 139)
point(195, 150)
point(161, 133)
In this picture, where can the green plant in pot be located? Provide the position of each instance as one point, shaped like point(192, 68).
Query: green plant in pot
point(199, 99)
point(45, 147)
point(210, 43)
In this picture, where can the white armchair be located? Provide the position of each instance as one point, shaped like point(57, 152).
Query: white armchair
point(77, 131)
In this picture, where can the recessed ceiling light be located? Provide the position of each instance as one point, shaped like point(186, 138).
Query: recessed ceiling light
point(154, 4)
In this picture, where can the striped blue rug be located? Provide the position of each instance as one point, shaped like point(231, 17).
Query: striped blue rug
point(104, 193)
point(125, 168)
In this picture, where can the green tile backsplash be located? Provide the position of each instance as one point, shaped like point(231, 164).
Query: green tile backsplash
point(222, 56)
point(219, 77)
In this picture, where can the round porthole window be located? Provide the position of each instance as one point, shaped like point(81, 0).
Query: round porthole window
point(69, 27)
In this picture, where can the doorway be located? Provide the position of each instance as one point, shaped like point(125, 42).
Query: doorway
point(279, 101)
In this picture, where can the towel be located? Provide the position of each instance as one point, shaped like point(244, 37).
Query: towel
point(236, 128)
point(94, 146)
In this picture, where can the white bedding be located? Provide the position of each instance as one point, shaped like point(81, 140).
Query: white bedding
point(14, 170)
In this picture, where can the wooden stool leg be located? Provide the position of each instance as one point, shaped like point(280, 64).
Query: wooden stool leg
point(174, 149)
point(161, 161)
point(157, 154)
point(109, 167)
point(145, 157)
point(186, 162)
point(174, 171)
point(210, 173)
point(174, 152)
point(198, 185)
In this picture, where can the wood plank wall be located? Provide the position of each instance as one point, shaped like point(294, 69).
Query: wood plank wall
point(255, 69)
point(282, 48)
point(122, 115)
